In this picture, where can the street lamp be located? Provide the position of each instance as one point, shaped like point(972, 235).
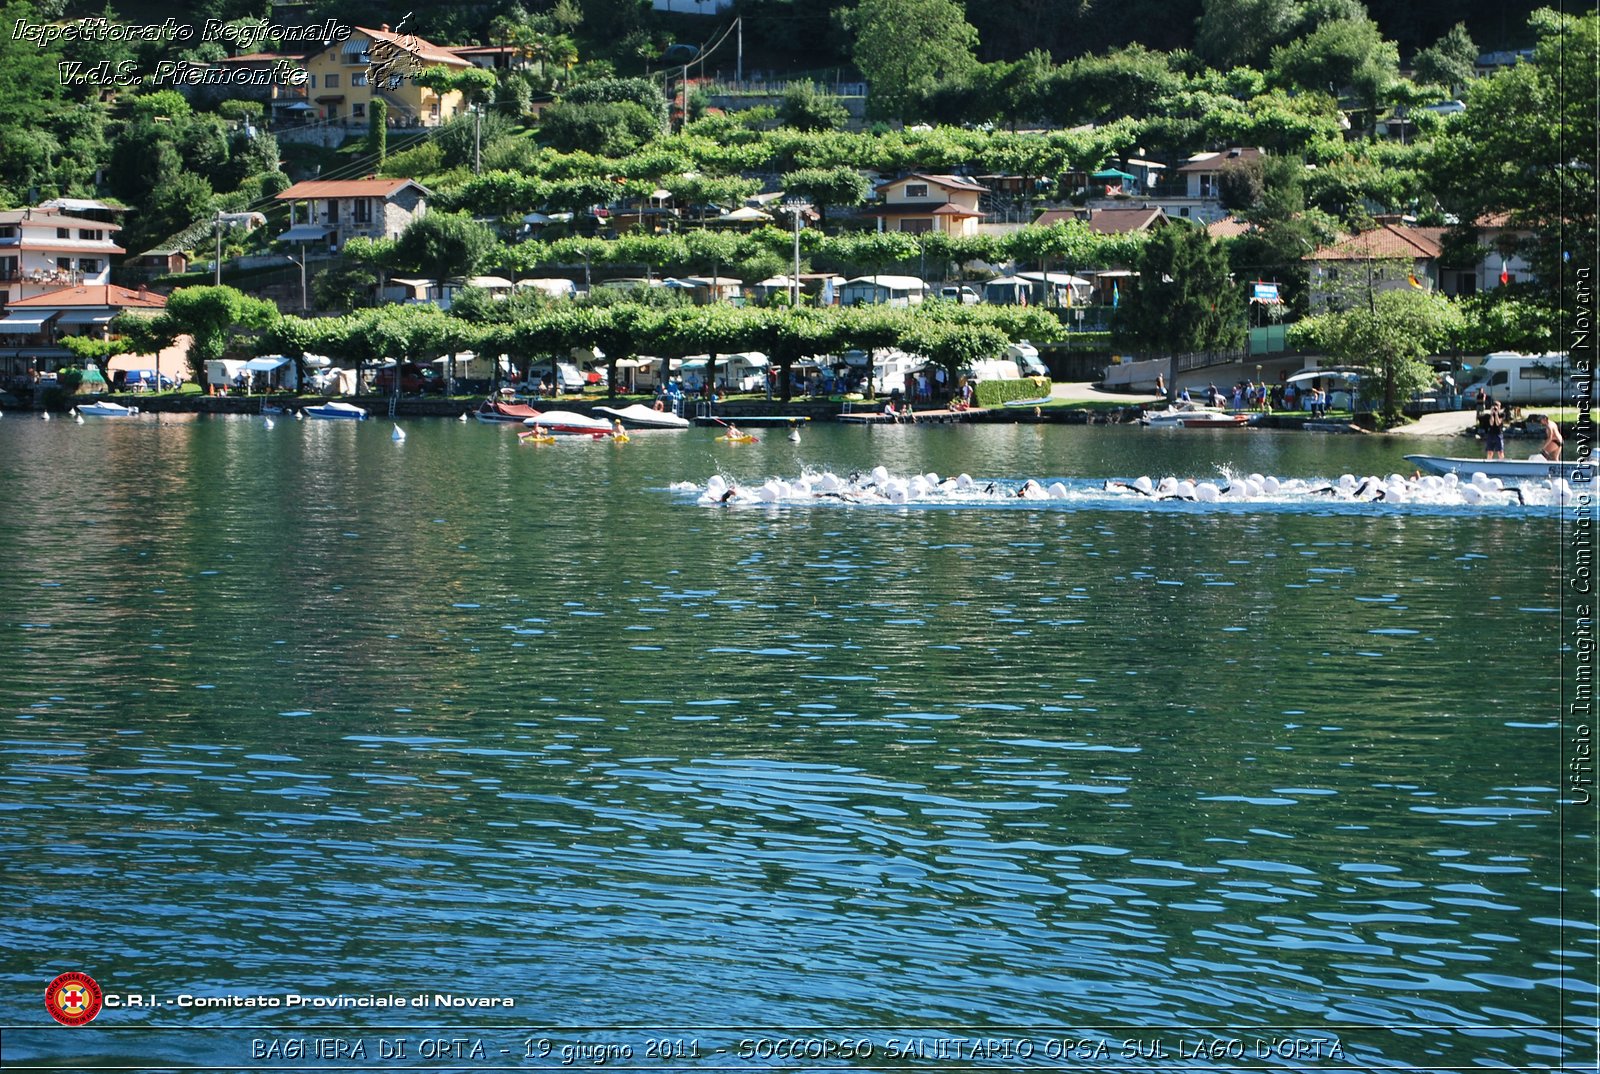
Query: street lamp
point(247, 220)
point(796, 207)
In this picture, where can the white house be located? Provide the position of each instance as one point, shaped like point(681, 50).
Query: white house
point(342, 209)
point(44, 249)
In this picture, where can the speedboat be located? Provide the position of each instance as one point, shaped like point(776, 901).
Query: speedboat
point(492, 411)
point(568, 423)
point(1539, 468)
point(1181, 415)
point(106, 410)
point(347, 411)
point(639, 416)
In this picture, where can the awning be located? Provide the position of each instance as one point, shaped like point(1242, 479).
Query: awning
point(25, 322)
point(1316, 373)
point(305, 233)
point(86, 317)
point(266, 364)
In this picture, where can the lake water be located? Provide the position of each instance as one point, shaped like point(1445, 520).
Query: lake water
point(307, 711)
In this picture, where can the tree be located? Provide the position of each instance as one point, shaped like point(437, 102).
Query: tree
point(211, 316)
point(637, 91)
point(1448, 62)
point(1517, 151)
point(1346, 53)
point(1184, 301)
point(1389, 338)
point(606, 129)
point(1232, 33)
point(1240, 184)
point(473, 83)
point(378, 130)
point(442, 245)
point(842, 187)
point(906, 46)
point(807, 107)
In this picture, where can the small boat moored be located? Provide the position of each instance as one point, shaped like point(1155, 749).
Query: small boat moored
point(639, 416)
point(1541, 469)
point(106, 410)
point(568, 423)
point(347, 411)
point(1183, 415)
point(494, 411)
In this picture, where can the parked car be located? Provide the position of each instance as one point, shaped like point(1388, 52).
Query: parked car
point(145, 380)
point(966, 296)
point(414, 380)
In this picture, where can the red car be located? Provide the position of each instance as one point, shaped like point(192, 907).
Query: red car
point(414, 380)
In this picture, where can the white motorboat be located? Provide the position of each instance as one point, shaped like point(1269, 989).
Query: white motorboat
point(1182, 415)
point(106, 410)
point(1538, 468)
point(639, 416)
point(347, 411)
point(494, 411)
point(569, 423)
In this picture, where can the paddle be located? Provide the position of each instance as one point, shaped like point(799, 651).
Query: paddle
point(754, 439)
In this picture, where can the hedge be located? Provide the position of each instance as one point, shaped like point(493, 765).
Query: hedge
point(999, 392)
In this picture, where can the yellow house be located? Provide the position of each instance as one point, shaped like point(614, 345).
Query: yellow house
point(345, 78)
point(919, 203)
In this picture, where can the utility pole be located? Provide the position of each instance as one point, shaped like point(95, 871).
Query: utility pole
point(217, 279)
point(477, 139)
point(738, 70)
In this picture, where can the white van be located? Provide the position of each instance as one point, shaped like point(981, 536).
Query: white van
point(1026, 355)
point(1522, 379)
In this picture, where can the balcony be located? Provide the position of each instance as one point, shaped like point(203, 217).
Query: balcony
point(49, 278)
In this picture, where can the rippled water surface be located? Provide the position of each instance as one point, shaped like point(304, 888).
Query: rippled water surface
point(309, 710)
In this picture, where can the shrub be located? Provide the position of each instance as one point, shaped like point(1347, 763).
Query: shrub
point(1000, 392)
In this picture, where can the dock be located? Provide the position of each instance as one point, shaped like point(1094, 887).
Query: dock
point(918, 417)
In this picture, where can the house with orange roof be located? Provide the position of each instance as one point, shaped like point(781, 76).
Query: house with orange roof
point(1390, 256)
point(338, 210)
point(32, 328)
point(1122, 220)
point(918, 203)
point(343, 79)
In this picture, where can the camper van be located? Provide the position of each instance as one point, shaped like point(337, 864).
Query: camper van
point(1522, 379)
point(1026, 355)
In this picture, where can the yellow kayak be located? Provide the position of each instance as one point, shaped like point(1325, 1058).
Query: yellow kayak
point(620, 438)
point(529, 438)
point(746, 439)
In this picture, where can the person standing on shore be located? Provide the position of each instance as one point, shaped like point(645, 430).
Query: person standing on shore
point(1494, 433)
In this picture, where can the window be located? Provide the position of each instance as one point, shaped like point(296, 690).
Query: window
point(358, 110)
point(358, 80)
point(330, 82)
point(311, 81)
point(88, 233)
point(64, 264)
point(1534, 372)
point(89, 264)
point(361, 211)
point(333, 212)
point(916, 190)
point(63, 233)
point(916, 226)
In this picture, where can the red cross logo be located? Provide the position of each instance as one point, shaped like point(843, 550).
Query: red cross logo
point(73, 999)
